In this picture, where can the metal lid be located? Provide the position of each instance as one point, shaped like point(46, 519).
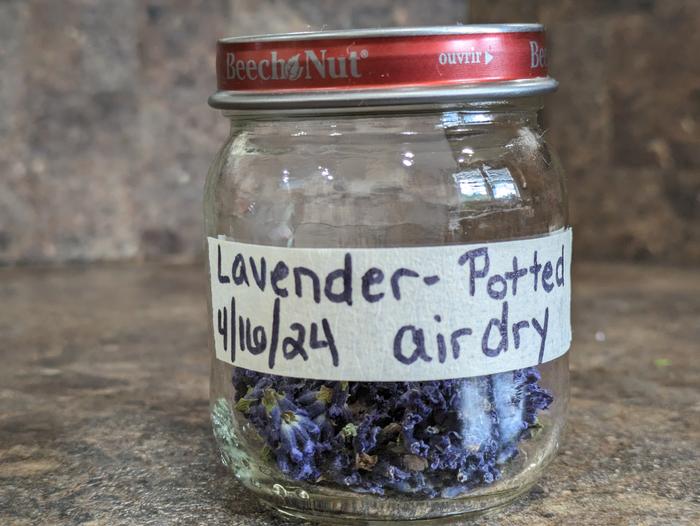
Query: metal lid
point(376, 67)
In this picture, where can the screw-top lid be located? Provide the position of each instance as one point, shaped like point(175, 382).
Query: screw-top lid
point(381, 67)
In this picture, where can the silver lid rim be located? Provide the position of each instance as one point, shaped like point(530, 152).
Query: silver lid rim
point(386, 32)
point(354, 98)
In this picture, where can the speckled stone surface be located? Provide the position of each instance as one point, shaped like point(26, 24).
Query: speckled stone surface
point(106, 137)
point(625, 120)
point(103, 403)
point(105, 132)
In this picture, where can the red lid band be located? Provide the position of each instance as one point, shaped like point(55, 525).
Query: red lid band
point(380, 62)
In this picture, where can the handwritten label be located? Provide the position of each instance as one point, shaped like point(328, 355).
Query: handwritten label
point(391, 314)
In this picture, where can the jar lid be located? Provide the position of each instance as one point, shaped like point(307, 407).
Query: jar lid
point(379, 67)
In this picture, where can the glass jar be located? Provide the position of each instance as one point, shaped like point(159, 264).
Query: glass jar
point(389, 267)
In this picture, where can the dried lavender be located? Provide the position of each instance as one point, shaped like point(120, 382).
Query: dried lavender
point(439, 438)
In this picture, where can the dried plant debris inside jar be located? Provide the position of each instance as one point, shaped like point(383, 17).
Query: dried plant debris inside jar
point(434, 439)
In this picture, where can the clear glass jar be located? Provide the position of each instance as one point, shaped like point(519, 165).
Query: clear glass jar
point(437, 175)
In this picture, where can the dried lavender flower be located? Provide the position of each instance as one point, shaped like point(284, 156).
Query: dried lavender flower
point(439, 438)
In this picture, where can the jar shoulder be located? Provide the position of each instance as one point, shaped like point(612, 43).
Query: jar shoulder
point(400, 186)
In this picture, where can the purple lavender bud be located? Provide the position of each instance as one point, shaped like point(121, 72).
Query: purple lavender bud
point(367, 433)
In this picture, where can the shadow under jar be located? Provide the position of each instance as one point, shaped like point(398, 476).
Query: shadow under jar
point(389, 255)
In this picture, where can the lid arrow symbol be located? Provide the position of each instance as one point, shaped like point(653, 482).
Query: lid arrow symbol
point(488, 57)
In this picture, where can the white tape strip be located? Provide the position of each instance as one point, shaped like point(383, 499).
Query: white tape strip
point(394, 314)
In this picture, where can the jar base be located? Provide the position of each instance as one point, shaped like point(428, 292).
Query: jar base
point(476, 507)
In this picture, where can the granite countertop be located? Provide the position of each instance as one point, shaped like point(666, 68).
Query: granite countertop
point(103, 402)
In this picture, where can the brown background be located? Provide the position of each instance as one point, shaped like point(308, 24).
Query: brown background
point(105, 136)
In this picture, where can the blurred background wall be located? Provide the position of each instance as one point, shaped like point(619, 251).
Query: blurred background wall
point(105, 135)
